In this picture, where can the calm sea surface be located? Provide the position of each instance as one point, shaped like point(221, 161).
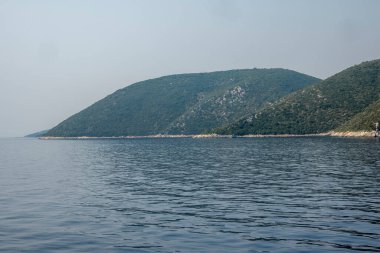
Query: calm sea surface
point(190, 195)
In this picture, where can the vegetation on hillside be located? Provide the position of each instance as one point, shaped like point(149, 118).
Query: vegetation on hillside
point(318, 108)
point(363, 121)
point(183, 104)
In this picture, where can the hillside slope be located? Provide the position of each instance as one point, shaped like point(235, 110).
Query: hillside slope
point(363, 121)
point(318, 108)
point(187, 103)
point(37, 134)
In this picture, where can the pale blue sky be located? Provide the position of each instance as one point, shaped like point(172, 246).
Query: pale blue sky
point(58, 57)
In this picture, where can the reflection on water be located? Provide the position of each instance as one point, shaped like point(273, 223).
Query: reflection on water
point(185, 195)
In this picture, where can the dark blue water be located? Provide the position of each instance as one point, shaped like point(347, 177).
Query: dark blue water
point(185, 195)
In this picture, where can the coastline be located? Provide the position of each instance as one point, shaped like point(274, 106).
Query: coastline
point(353, 134)
point(208, 136)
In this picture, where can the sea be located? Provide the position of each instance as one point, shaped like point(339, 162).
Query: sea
point(311, 194)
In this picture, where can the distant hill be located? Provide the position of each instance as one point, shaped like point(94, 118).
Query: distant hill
point(325, 106)
point(183, 104)
point(37, 134)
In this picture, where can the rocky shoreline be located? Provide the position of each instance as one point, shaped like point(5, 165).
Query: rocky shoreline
point(353, 134)
point(202, 136)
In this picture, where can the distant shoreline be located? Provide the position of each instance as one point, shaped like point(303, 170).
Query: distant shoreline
point(208, 136)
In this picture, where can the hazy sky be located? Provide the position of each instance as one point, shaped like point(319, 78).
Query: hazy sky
point(58, 57)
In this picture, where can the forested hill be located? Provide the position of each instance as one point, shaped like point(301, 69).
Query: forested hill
point(363, 121)
point(325, 106)
point(183, 104)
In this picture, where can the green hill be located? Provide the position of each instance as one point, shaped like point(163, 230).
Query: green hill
point(183, 104)
point(363, 121)
point(318, 108)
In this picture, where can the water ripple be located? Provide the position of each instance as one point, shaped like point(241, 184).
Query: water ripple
point(184, 195)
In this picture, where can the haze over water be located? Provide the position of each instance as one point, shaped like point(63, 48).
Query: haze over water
point(190, 195)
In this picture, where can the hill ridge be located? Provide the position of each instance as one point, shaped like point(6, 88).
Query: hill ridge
point(318, 108)
point(158, 105)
